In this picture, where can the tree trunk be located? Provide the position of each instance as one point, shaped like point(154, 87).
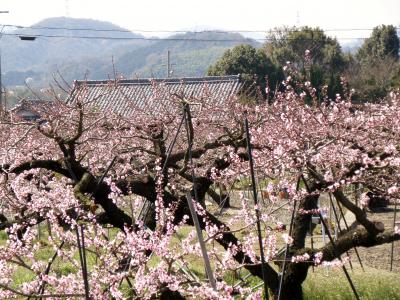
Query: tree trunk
point(217, 198)
point(295, 275)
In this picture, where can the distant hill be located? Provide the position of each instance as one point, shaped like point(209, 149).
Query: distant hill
point(351, 45)
point(57, 49)
point(23, 55)
point(191, 54)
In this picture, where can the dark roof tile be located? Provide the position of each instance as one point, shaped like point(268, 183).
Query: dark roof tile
point(153, 95)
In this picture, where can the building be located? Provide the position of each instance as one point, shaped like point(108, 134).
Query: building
point(30, 110)
point(153, 96)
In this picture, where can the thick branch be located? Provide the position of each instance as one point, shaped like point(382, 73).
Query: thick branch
point(116, 216)
point(228, 240)
point(355, 238)
point(50, 165)
point(199, 151)
point(361, 216)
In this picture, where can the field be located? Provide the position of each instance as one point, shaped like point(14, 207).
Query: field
point(371, 284)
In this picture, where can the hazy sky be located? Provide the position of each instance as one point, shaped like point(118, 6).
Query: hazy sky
point(222, 14)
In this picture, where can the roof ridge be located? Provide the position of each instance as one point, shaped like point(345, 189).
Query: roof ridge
point(163, 80)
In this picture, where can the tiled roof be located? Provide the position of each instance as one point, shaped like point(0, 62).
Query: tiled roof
point(31, 109)
point(154, 95)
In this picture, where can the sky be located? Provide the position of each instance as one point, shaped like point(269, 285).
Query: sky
point(212, 14)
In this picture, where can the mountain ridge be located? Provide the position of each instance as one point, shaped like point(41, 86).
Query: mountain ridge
point(60, 47)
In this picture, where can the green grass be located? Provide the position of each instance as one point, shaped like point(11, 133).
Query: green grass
point(323, 284)
point(373, 284)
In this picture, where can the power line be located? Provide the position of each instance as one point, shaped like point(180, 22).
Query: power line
point(244, 39)
point(135, 38)
point(295, 29)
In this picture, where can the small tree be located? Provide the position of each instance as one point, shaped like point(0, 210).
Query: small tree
point(383, 43)
point(375, 69)
point(372, 79)
point(322, 66)
point(253, 64)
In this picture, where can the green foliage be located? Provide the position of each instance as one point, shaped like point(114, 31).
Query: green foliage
point(375, 69)
point(191, 54)
point(242, 59)
point(252, 64)
point(324, 64)
point(383, 43)
point(373, 79)
point(290, 44)
point(185, 63)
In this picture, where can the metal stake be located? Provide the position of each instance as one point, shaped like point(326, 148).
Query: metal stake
point(338, 256)
point(210, 275)
point(394, 224)
point(82, 257)
point(287, 246)
point(253, 183)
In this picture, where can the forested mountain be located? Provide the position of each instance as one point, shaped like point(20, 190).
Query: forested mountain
point(74, 56)
point(61, 49)
point(191, 54)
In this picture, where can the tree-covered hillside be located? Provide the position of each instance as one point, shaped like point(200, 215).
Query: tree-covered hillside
point(57, 48)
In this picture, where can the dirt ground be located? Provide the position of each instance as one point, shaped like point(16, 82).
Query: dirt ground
point(377, 257)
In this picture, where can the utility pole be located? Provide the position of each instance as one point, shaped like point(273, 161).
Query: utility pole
point(169, 65)
point(66, 8)
point(1, 82)
point(3, 106)
point(298, 19)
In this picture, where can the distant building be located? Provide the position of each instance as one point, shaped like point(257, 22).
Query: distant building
point(30, 110)
point(125, 97)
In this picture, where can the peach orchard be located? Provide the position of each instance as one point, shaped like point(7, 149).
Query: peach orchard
point(79, 169)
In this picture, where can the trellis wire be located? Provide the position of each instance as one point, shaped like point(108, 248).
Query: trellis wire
point(338, 256)
point(222, 203)
point(242, 280)
point(332, 206)
point(47, 270)
point(340, 231)
point(347, 228)
point(82, 259)
point(353, 288)
point(172, 144)
point(104, 174)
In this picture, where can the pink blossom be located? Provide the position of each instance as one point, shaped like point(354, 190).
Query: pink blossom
point(288, 239)
point(397, 230)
